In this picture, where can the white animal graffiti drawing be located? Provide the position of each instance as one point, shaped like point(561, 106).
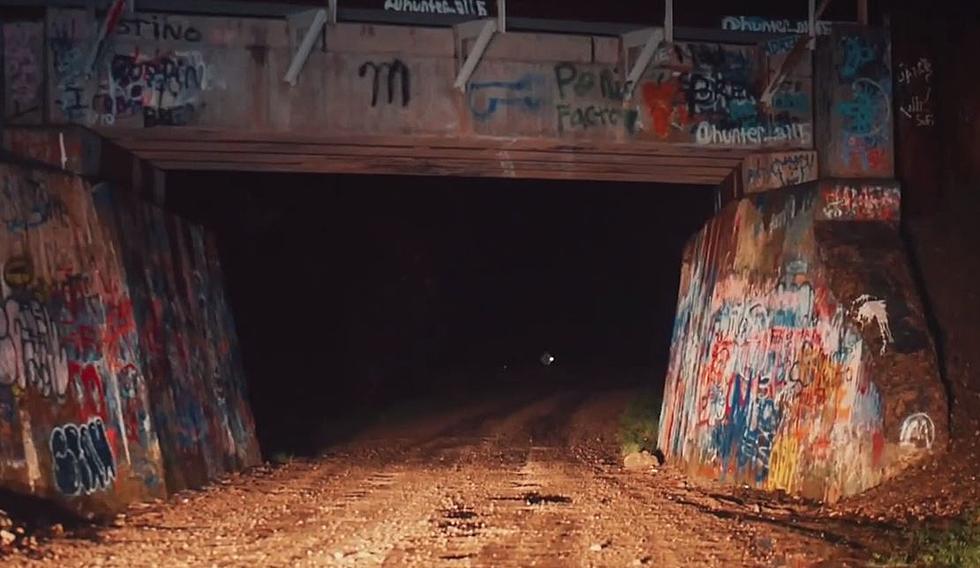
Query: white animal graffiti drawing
point(918, 431)
point(869, 308)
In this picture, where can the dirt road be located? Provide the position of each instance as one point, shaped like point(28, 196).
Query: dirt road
point(535, 481)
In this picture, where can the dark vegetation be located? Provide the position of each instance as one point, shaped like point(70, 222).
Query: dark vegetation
point(639, 423)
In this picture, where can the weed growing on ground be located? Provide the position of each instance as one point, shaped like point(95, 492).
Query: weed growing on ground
point(957, 545)
point(281, 458)
point(638, 424)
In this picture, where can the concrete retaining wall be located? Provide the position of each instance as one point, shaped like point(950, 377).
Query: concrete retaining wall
point(227, 73)
point(800, 357)
point(119, 370)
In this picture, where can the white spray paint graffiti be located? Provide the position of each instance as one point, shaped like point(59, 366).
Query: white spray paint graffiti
point(918, 431)
point(708, 133)
point(455, 7)
point(772, 25)
point(31, 348)
point(870, 308)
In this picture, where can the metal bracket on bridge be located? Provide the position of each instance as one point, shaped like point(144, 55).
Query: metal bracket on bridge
point(796, 53)
point(316, 20)
point(812, 30)
point(108, 26)
point(651, 39)
point(483, 30)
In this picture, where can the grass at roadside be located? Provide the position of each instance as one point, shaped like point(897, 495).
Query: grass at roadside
point(956, 545)
point(282, 457)
point(638, 424)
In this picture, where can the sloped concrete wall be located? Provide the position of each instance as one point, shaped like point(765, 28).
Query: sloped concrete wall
point(800, 357)
point(97, 292)
point(189, 347)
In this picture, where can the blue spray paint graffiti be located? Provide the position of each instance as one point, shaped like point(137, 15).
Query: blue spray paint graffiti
point(485, 98)
point(866, 123)
point(25, 203)
point(857, 54)
point(791, 101)
point(863, 113)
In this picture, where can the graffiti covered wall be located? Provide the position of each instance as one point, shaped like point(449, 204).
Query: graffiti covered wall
point(167, 70)
point(189, 347)
point(84, 416)
point(707, 95)
point(125, 83)
point(854, 75)
point(778, 169)
point(800, 360)
point(23, 72)
point(74, 404)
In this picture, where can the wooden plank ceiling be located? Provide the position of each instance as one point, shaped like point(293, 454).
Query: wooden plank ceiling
point(182, 148)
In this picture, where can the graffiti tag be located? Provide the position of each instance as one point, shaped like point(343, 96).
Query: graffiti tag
point(917, 431)
point(398, 79)
point(486, 97)
point(82, 458)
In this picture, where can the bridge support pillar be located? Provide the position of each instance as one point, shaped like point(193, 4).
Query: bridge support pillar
point(853, 104)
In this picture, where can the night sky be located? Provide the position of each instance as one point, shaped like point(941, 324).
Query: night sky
point(703, 13)
point(367, 289)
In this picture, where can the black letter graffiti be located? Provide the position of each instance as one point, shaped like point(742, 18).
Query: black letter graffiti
point(612, 88)
point(584, 82)
point(159, 29)
point(393, 69)
point(564, 75)
point(82, 458)
point(564, 112)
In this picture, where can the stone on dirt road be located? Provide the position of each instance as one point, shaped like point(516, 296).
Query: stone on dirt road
point(639, 460)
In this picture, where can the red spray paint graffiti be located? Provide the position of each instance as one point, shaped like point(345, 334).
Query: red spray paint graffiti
point(88, 388)
point(661, 102)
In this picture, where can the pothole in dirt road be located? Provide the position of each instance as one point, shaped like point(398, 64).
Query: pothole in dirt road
point(459, 514)
point(459, 521)
point(381, 479)
point(457, 556)
point(354, 495)
point(535, 498)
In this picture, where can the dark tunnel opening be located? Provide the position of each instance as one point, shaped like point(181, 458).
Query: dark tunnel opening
point(351, 293)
